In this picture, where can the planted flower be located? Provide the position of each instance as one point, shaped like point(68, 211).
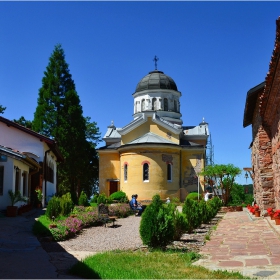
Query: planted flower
point(276, 214)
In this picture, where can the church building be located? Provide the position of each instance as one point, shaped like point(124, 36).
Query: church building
point(154, 153)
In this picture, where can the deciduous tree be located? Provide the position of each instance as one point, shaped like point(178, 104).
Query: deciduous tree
point(222, 175)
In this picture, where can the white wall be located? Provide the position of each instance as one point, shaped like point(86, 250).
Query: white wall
point(21, 141)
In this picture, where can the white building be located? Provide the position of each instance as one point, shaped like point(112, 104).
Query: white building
point(28, 160)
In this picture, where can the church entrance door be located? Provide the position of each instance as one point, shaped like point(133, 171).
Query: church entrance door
point(113, 187)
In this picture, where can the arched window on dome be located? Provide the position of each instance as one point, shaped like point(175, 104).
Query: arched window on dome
point(154, 104)
point(169, 172)
point(125, 172)
point(146, 172)
point(143, 105)
point(175, 106)
point(165, 104)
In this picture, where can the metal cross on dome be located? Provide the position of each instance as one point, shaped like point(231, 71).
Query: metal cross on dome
point(155, 60)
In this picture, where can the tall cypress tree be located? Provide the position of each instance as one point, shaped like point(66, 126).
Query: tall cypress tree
point(59, 115)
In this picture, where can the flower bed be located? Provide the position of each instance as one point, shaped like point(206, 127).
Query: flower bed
point(83, 217)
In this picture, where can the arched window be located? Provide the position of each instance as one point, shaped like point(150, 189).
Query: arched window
point(143, 105)
point(154, 104)
point(169, 172)
point(175, 106)
point(145, 172)
point(125, 172)
point(165, 104)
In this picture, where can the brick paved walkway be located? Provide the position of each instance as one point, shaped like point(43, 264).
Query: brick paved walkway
point(246, 244)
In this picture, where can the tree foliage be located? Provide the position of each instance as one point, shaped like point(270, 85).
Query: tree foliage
point(2, 109)
point(223, 175)
point(22, 121)
point(59, 115)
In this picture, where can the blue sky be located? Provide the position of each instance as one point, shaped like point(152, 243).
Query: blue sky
point(214, 51)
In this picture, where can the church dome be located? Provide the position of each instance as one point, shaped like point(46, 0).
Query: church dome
point(156, 80)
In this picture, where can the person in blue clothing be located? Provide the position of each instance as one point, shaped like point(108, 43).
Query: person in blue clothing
point(135, 205)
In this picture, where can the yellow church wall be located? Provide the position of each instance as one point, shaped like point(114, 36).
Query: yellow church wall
point(109, 169)
point(157, 184)
point(150, 126)
point(164, 133)
point(192, 164)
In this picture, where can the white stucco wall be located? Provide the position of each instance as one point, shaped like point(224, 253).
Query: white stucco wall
point(21, 141)
point(9, 180)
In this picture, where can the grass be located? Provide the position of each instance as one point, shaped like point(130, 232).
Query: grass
point(146, 265)
point(41, 226)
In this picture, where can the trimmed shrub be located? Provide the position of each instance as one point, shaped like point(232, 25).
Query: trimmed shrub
point(94, 198)
point(191, 210)
point(204, 214)
point(119, 195)
point(180, 224)
point(66, 204)
point(194, 196)
point(102, 199)
point(157, 227)
point(83, 200)
point(53, 208)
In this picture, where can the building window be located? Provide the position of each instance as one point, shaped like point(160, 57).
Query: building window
point(169, 172)
point(154, 104)
point(175, 106)
point(165, 104)
point(145, 172)
point(143, 105)
point(125, 172)
point(1, 179)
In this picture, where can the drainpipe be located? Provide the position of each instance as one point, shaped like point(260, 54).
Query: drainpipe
point(45, 175)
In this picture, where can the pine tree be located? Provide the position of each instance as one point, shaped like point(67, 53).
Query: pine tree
point(59, 116)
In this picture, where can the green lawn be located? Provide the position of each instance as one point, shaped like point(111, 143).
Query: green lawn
point(146, 265)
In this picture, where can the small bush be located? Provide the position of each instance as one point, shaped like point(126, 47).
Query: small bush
point(119, 195)
point(94, 198)
point(157, 227)
point(119, 210)
point(78, 209)
point(175, 200)
point(204, 214)
point(66, 204)
point(83, 200)
point(102, 199)
point(194, 196)
point(180, 224)
point(191, 210)
point(53, 208)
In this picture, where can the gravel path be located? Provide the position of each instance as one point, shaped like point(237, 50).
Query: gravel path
point(125, 235)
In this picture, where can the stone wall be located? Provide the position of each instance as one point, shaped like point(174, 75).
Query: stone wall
point(276, 159)
point(262, 165)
